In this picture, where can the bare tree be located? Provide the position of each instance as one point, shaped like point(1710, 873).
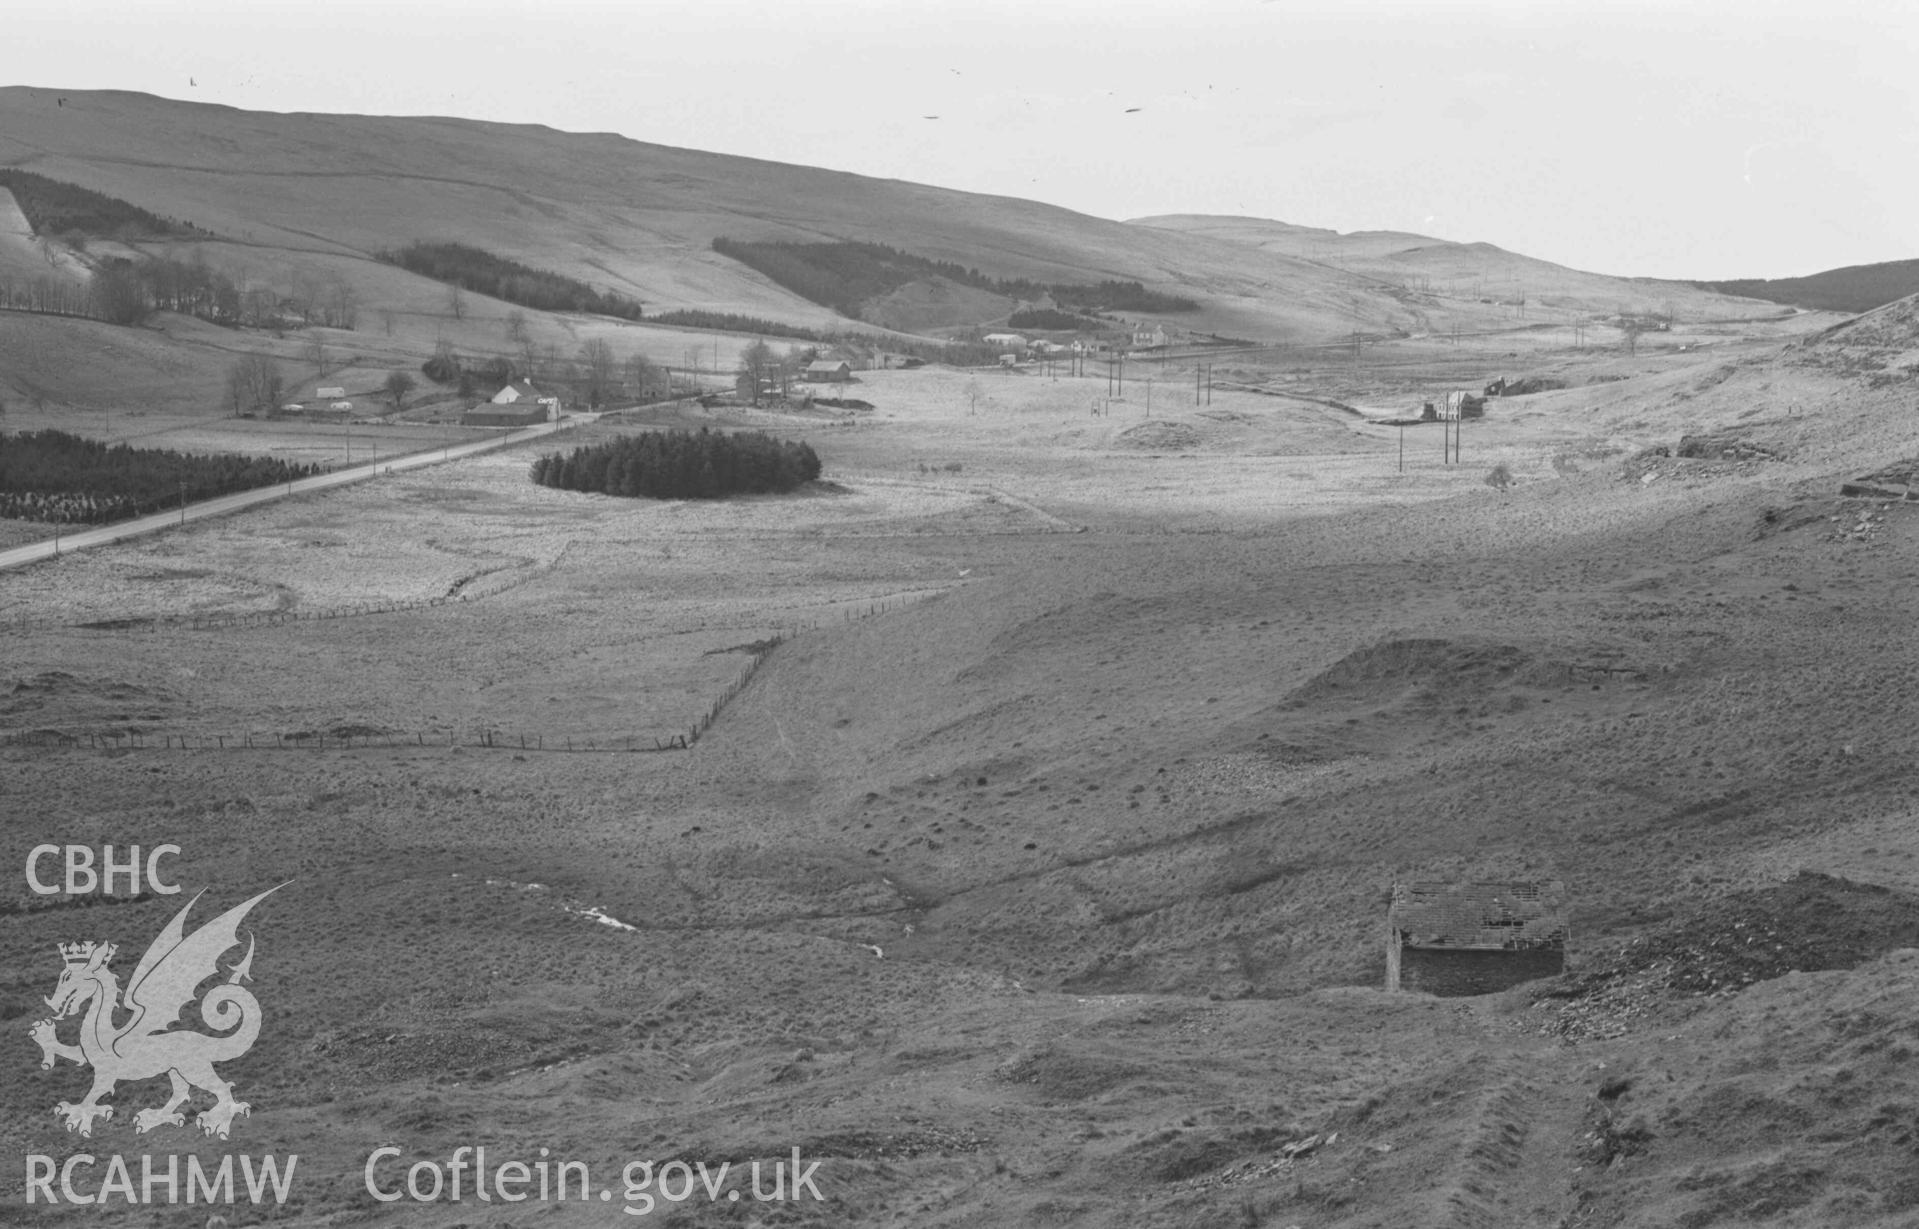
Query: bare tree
point(642, 377)
point(315, 351)
point(254, 382)
point(516, 328)
point(456, 301)
point(757, 364)
point(398, 385)
point(339, 305)
point(599, 369)
point(306, 296)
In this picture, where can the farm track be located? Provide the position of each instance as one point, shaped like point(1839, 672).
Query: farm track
point(1516, 1167)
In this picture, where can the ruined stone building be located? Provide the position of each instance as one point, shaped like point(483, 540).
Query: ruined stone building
point(1474, 938)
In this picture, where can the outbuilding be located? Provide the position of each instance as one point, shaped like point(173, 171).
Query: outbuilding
point(828, 371)
point(1453, 939)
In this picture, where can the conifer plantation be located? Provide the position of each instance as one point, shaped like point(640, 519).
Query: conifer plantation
point(54, 476)
point(703, 464)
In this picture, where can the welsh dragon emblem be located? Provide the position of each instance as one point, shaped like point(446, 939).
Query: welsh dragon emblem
point(143, 1043)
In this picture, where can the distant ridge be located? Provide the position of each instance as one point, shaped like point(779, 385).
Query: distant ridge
point(1855, 288)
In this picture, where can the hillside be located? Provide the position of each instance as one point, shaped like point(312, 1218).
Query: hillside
point(1855, 288)
point(1451, 278)
point(639, 219)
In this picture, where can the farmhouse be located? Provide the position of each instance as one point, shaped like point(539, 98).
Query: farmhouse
point(517, 392)
point(835, 371)
point(1453, 939)
point(1150, 335)
point(1010, 340)
point(329, 394)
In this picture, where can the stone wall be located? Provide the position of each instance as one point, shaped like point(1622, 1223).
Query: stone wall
point(1452, 972)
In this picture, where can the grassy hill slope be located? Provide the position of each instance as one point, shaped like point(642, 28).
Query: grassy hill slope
point(1454, 277)
point(638, 218)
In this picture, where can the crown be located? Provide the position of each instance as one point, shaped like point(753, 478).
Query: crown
point(82, 953)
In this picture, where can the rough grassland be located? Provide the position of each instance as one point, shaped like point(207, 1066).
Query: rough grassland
point(1054, 896)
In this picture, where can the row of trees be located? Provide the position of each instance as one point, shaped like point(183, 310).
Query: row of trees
point(596, 375)
point(701, 464)
point(54, 476)
point(123, 291)
point(482, 272)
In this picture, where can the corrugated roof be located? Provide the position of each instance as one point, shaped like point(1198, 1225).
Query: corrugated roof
point(1481, 915)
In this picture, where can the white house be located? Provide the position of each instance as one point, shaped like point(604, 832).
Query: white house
point(329, 394)
point(1011, 340)
point(1150, 335)
point(516, 391)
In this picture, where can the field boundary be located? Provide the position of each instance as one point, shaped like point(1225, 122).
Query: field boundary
point(482, 739)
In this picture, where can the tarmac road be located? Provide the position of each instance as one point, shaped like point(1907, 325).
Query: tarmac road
point(65, 543)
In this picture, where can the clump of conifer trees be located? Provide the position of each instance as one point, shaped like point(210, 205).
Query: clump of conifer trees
point(703, 464)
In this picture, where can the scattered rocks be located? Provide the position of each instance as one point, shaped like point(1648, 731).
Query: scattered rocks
point(1810, 923)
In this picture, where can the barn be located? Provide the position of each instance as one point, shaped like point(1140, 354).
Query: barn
point(504, 416)
point(1453, 939)
point(828, 371)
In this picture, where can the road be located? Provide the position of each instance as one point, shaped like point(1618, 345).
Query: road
point(100, 535)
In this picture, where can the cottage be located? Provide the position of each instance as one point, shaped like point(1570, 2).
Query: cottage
point(1453, 939)
point(828, 371)
point(1011, 341)
point(1150, 335)
point(516, 392)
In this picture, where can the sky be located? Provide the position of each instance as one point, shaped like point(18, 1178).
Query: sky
point(1689, 138)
